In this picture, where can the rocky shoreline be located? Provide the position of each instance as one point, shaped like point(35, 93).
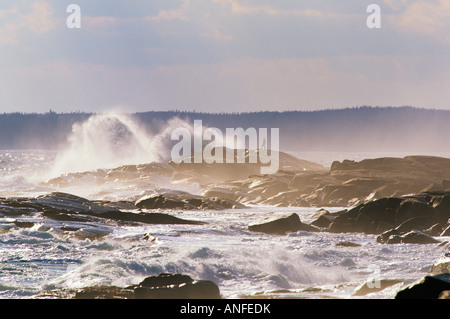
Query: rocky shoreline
point(402, 201)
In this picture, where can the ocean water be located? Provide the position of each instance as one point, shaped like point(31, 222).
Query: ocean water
point(244, 264)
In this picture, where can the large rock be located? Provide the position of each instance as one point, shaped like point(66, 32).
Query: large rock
point(430, 287)
point(104, 292)
point(418, 237)
point(186, 201)
point(68, 207)
point(176, 286)
point(404, 214)
point(413, 207)
point(282, 225)
point(163, 286)
point(393, 236)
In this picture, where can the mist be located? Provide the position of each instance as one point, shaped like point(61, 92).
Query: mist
point(111, 140)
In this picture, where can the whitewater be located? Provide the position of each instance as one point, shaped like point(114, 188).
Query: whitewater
point(242, 263)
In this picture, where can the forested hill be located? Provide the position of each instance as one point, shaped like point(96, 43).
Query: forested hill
point(352, 129)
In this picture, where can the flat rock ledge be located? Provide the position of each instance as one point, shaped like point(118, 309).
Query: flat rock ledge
point(163, 286)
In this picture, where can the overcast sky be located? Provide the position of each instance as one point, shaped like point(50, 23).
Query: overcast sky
point(223, 55)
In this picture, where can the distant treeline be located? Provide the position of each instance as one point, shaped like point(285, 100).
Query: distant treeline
point(352, 129)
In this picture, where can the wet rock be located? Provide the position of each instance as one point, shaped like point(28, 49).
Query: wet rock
point(434, 230)
point(418, 237)
point(384, 237)
point(393, 236)
point(149, 218)
point(104, 292)
point(185, 201)
point(430, 287)
point(416, 223)
point(446, 232)
point(68, 203)
point(347, 244)
point(441, 204)
point(24, 224)
point(282, 225)
point(176, 286)
point(413, 207)
point(156, 201)
point(323, 221)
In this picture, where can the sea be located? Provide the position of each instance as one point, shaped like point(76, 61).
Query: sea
point(242, 263)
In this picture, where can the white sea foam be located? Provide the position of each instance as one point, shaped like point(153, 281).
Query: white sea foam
point(112, 140)
point(223, 250)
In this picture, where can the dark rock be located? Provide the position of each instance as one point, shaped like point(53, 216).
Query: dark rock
point(224, 203)
point(163, 280)
point(441, 204)
point(418, 237)
point(68, 203)
point(9, 208)
point(393, 236)
point(323, 221)
point(434, 230)
point(416, 223)
point(383, 227)
point(185, 201)
point(176, 286)
point(104, 292)
point(149, 218)
point(430, 287)
point(156, 201)
point(282, 225)
point(446, 232)
point(347, 244)
point(394, 239)
point(410, 208)
point(342, 226)
point(24, 224)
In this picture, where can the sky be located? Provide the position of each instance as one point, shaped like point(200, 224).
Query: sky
point(222, 55)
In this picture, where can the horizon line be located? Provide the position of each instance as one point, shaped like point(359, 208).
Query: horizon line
point(51, 112)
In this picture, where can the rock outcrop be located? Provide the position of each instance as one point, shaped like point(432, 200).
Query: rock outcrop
point(163, 286)
point(282, 225)
point(185, 201)
point(430, 287)
point(176, 286)
point(78, 217)
point(346, 183)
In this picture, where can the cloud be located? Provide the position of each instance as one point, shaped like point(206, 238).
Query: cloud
point(236, 7)
point(431, 17)
point(174, 14)
point(38, 21)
